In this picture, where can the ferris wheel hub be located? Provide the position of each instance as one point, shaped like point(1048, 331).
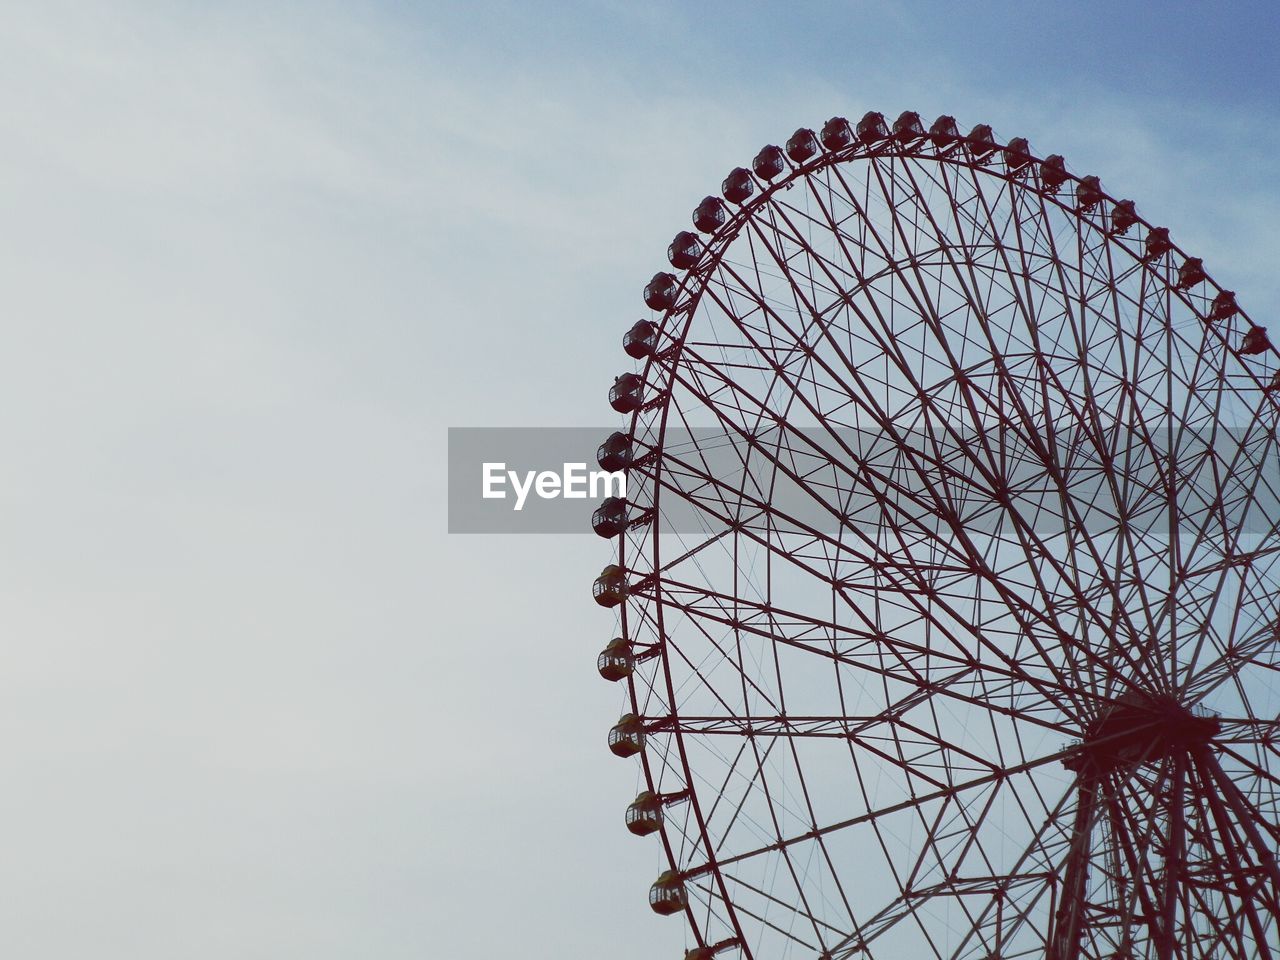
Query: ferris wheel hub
point(1140, 729)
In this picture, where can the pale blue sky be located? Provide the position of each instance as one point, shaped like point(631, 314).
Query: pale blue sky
point(255, 703)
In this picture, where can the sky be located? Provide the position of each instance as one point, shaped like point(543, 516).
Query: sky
point(255, 259)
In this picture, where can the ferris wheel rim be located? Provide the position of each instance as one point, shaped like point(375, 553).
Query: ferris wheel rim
point(681, 315)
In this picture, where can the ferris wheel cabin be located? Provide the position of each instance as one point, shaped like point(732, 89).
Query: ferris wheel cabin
point(769, 162)
point(615, 453)
point(667, 895)
point(616, 660)
point(627, 393)
point(610, 518)
point(644, 815)
point(641, 340)
point(684, 250)
point(710, 215)
point(626, 737)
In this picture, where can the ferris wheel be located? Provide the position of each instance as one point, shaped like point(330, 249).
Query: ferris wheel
point(948, 575)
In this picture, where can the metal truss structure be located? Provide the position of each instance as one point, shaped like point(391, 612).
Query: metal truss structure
point(947, 579)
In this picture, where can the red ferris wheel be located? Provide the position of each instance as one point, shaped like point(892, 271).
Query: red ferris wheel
point(947, 577)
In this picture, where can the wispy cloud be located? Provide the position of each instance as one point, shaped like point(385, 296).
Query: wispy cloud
point(254, 260)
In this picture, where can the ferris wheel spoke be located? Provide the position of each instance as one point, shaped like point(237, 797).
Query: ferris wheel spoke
point(941, 855)
point(1119, 488)
point(1246, 816)
point(771, 514)
point(745, 790)
point(871, 816)
point(1009, 919)
point(872, 733)
point(1248, 568)
point(1267, 781)
point(883, 482)
point(1125, 520)
point(1032, 866)
point(775, 827)
point(1242, 651)
point(971, 296)
point(749, 685)
point(1234, 857)
point(960, 537)
point(747, 785)
point(728, 611)
point(1077, 545)
point(787, 932)
point(1215, 531)
point(816, 633)
point(827, 861)
point(1227, 656)
point(938, 684)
